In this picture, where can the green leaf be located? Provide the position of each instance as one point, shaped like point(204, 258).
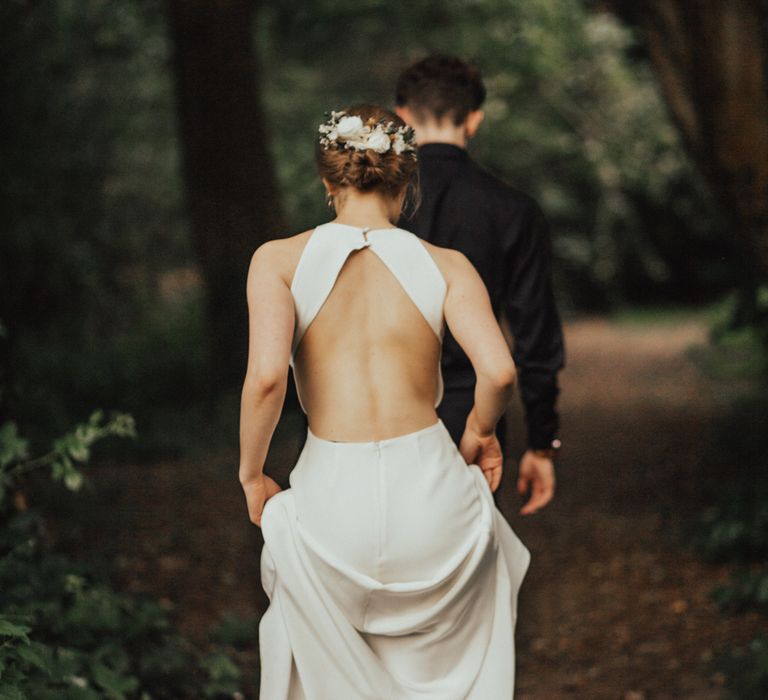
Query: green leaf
point(13, 448)
point(73, 480)
point(223, 674)
point(74, 583)
point(79, 452)
point(113, 682)
point(11, 629)
point(66, 662)
point(122, 425)
point(85, 435)
point(34, 654)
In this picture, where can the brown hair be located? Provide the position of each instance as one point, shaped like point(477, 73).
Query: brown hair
point(367, 170)
point(440, 86)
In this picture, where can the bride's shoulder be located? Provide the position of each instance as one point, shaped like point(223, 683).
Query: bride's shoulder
point(282, 254)
point(277, 247)
point(451, 262)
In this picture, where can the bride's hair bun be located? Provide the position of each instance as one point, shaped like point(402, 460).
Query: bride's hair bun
point(365, 168)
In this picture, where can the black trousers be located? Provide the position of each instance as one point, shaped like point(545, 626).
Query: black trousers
point(454, 409)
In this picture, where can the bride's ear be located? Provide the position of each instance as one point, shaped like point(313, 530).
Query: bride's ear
point(329, 188)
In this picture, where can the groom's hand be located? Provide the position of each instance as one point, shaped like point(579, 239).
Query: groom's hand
point(538, 473)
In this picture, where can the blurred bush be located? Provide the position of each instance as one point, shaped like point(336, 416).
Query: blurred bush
point(747, 667)
point(235, 631)
point(65, 633)
point(154, 371)
point(733, 527)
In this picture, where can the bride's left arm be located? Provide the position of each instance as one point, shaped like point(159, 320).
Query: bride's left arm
point(270, 332)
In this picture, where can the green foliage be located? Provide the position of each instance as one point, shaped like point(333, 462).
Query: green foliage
point(739, 339)
point(236, 631)
point(573, 116)
point(735, 529)
point(747, 670)
point(734, 476)
point(738, 353)
point(64, 631)
point(90, 197)
point(68, 454)
point(223, 674)
point(748, 589)
point(92, 208)
point(67, 633)
point(156, 369)
point(734, 525)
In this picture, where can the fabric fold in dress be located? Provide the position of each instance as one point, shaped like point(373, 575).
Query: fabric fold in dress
point(391, 575)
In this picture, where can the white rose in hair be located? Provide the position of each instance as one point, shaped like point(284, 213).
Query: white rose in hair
point(398, 143)
point(349, 127)
point(379, 141)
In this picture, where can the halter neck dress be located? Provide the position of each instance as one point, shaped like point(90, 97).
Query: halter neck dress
point(390, 572)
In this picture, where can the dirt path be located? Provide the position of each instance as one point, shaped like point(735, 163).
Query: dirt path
point(613, 607)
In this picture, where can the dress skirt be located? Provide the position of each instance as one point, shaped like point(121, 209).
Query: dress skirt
point(391, 575)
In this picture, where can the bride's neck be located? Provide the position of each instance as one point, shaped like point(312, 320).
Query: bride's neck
point(366, 209)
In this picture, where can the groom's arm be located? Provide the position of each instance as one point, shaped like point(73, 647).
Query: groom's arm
point(529, 306)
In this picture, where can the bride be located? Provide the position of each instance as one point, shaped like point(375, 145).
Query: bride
point(389, 570)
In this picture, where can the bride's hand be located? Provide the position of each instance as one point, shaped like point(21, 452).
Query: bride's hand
point(485, 452)
point(257, 493)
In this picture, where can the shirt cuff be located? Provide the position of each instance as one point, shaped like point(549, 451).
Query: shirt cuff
point(543, 423)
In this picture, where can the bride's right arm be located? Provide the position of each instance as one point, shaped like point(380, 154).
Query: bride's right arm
point(270, 332)
point(472, 322)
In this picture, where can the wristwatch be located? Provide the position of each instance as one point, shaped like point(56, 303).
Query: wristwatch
point(551, 451)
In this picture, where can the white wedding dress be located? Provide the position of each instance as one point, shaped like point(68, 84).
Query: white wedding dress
point(390, 572)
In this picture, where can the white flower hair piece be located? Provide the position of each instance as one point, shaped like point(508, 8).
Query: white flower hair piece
point(342, 130)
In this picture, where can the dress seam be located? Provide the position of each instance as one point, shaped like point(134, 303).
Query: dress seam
point(382, 512)
point(379, 528)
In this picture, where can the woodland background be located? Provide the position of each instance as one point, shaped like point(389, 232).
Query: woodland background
point(149, 148)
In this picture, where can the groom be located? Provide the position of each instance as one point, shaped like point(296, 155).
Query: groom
point(505, 235)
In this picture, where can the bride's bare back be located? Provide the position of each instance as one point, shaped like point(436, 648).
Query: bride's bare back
point(367, 365)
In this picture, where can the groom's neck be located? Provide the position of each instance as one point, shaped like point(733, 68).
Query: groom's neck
point(441, 132)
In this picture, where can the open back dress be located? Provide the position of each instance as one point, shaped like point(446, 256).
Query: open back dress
point(390, 572)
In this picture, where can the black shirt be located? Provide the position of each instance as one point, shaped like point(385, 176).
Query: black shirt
point(506, 237)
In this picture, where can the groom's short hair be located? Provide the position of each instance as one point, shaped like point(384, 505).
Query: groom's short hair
point(441, 86)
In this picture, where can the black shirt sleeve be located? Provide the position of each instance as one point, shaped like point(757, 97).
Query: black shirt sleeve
point(529, 306)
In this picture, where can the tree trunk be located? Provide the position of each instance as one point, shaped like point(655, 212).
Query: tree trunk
point(233, 198)
point(710, 57)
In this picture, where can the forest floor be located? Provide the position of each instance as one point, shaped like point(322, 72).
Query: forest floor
point(615, 605)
